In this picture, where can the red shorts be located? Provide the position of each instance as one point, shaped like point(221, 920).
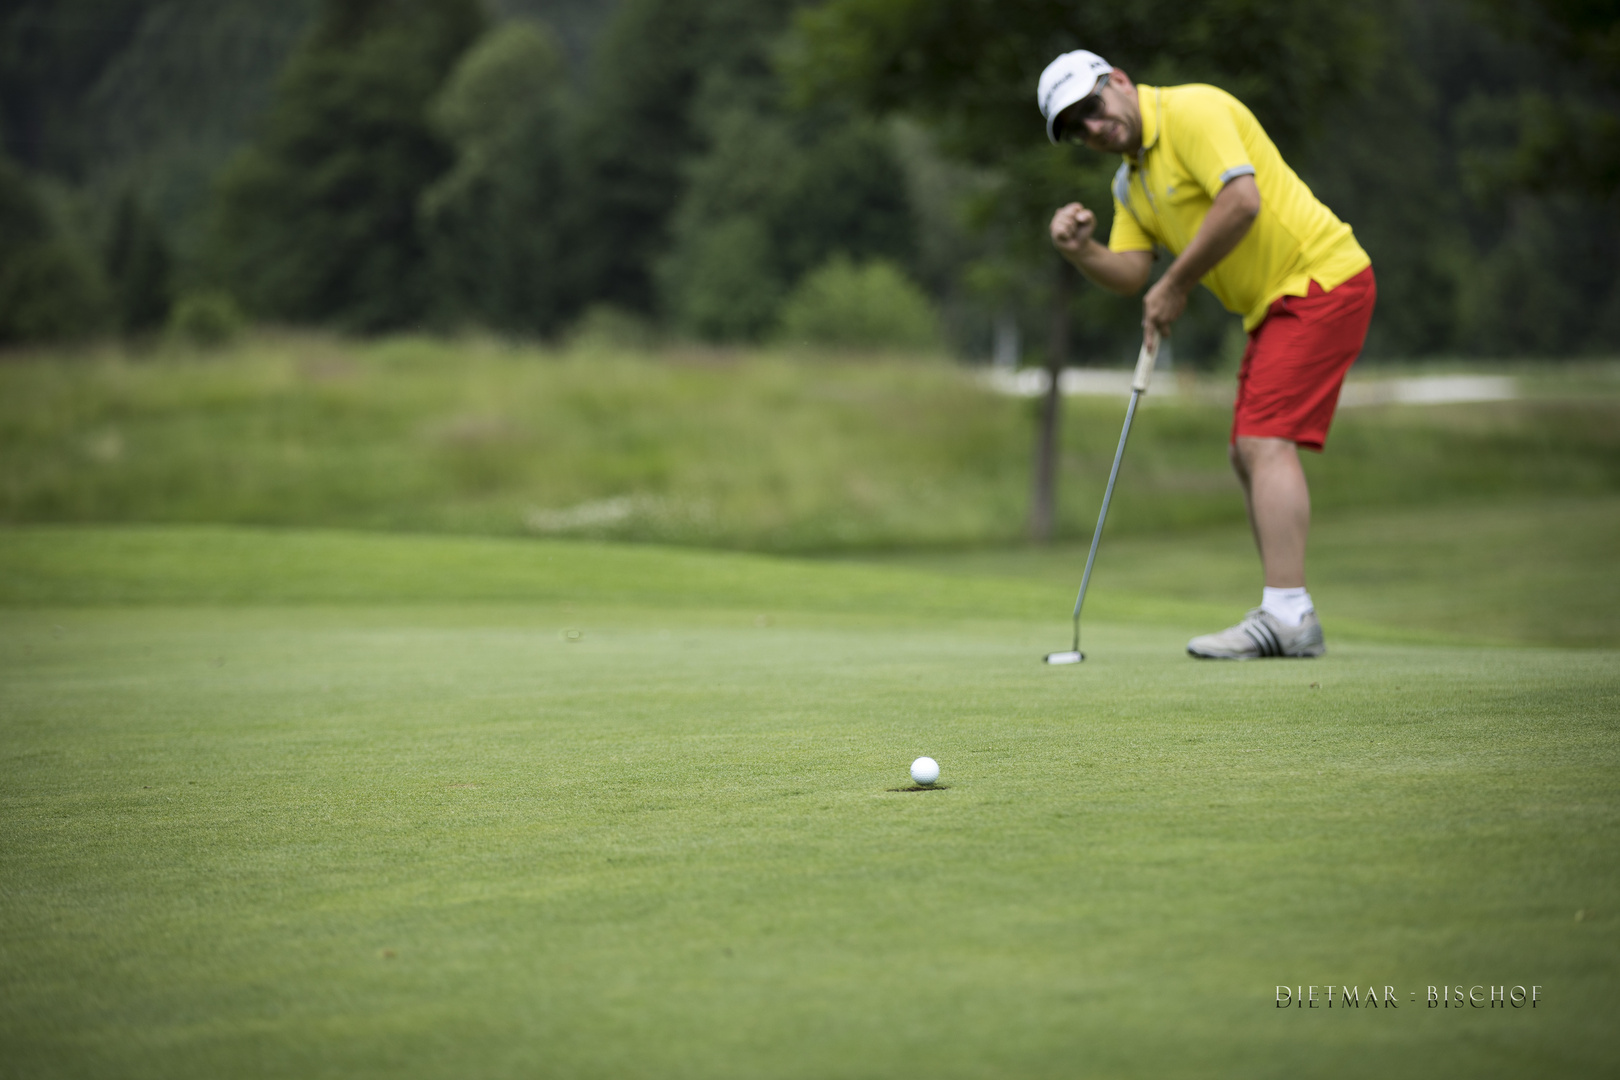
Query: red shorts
point(1289, 384)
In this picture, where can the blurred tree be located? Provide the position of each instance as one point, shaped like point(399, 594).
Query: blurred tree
point(1568, 125)
point(318, 219)
point(151, 96)
point(638, 132)
point(138, 267)
point(1475, 155)
point(49, 288)
point(51, 52)
point(722, 283)
point(1384, 165)
point(700, 194)
point(165, 113)
point(24, 222)
point(970, 67)
point(1473, 254)
point(776, 195)
point(495, 224)
point(577, 23)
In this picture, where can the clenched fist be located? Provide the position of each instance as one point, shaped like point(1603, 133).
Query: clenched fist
point(1072, 227)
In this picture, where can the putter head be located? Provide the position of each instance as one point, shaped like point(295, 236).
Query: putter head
point(1065, 657)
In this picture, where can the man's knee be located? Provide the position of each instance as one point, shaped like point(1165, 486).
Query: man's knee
point(1250, 453)
point(1239, 466)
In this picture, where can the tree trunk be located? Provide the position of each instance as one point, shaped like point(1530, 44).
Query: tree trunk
point(1043, 501)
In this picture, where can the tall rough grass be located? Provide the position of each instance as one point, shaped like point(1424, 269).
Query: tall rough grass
point(734, 449)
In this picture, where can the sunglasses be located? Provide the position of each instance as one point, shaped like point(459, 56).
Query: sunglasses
point(1073, 118)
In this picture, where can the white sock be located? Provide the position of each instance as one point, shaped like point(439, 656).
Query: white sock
point(1288, 606)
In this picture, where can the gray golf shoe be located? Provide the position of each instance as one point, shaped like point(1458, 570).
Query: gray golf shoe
point(1261, 634)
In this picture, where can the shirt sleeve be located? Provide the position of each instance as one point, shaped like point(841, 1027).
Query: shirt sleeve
point(1208, 141)
point(1126, 234)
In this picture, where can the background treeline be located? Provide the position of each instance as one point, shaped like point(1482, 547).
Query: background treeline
point(738, 170)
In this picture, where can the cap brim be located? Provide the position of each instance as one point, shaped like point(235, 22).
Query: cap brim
point(1054, 130)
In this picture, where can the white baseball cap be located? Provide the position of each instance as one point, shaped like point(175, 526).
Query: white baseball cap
point(1066, 80)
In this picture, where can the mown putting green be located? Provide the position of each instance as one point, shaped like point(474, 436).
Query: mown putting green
point(350, 806)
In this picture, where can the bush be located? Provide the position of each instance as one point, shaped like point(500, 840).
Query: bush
point(206, 318)
point(723, 288)
point(606, 328)
point(873, 305)
point(50, 292)
point(494, 225)
point(138, 267)
point(49, 289)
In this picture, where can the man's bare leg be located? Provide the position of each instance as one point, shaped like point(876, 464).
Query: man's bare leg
point(1279, 505)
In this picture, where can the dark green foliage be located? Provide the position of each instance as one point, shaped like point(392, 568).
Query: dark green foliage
point(149, 96)
point(1470, 256)
point(50, 54)
point(49, 289)
point(640, 131)
point(318, 219)
point(775, 196)
point(700, 194)
point(722, 283)
point(24, 221)
point(1567, 124)
point(48, 292)
point(138, 267)
point(577, 23)
point(1473, 144)
point(972, 66)
point(847, 196)
point(495, 223)
point(166, 113)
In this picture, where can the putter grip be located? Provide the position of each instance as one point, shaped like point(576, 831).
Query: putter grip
point(1144, 366)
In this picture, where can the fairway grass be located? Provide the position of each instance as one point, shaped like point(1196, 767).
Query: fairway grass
point(319, 804)
point(1544, 572)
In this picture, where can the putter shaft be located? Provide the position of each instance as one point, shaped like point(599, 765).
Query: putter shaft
point(1102, 516)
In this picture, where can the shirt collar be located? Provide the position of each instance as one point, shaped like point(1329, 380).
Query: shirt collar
point(1147, 100)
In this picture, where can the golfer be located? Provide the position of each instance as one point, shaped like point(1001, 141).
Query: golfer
point(1201, 178)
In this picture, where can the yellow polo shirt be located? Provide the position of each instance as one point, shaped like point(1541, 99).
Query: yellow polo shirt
point(1195, 139)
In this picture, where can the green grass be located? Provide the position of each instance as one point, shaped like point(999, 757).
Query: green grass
point(1523, 571)
point(325, 804)
point(296, 781)
point(773, 453)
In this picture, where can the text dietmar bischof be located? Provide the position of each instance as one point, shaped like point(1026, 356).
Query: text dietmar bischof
point(1340, 996)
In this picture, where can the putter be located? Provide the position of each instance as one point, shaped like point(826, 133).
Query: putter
point(1139, 384)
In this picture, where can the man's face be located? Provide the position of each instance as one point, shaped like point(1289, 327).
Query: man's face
point(1113, 124)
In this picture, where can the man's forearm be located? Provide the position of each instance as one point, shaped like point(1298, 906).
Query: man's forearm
point(1119, 272)
point(1229, 219)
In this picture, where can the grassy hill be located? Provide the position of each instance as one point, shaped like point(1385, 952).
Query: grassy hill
point(730, 449)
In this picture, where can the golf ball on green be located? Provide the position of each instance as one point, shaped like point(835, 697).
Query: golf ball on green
point(925, 770)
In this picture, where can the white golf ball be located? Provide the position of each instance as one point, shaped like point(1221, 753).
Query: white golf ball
point(925, 770)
